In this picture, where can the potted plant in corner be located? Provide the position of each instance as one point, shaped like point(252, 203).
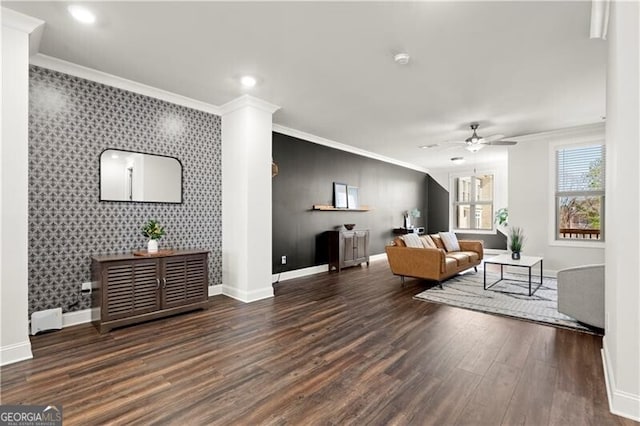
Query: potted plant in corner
point(516, 241)
point(154, 231)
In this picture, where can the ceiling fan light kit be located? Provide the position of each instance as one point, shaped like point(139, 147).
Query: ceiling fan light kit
point(474, 147)
point(475, 143)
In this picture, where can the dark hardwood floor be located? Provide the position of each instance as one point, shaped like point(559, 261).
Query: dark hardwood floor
point(348, 348)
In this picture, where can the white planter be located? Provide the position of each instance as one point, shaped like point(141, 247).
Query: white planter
point(152, 246)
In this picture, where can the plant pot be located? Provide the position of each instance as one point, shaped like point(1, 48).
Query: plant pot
point(515, 255)
point(152, 246)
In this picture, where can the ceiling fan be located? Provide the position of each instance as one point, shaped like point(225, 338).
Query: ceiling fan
point(475, 143)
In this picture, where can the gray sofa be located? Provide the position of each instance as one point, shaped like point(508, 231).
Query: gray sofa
point(581, 294)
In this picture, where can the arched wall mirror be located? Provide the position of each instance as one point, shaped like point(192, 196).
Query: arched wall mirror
point(139, 177)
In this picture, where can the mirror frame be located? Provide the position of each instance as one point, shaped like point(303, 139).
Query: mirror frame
point(135, 201)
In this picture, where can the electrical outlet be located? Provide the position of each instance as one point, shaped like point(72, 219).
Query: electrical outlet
point(284, 260)
point(86, 287)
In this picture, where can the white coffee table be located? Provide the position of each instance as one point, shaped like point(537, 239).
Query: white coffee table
point(505, 260)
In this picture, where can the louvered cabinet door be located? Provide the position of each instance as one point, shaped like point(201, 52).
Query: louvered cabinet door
point(130, 288)
point(184, 281)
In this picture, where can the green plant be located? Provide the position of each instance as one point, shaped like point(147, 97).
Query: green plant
point(502, 216)
point(414, 212)
point(153, 230)
point(516, 239)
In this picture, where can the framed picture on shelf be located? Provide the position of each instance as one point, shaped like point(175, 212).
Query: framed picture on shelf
point(352, 197)
point(340, 195)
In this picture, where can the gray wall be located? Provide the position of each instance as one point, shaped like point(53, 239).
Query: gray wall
point(71, 121)
point(307, 173)
point(438, 201)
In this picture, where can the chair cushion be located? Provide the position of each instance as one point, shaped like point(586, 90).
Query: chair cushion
point(450, 241)
point(461, 258)
point(473, 256)
point(427, 242)
point(412, 240)
point(450, 264)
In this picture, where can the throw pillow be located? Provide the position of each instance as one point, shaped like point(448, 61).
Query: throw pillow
point(450, 241)
point(412, 240)
point(427, 242)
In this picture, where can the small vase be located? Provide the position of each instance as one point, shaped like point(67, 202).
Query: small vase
point(515, 255)
point(152, 246)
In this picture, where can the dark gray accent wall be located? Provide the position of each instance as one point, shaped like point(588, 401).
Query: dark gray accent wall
point(438, 201)
point(306, 175)
point(71, 120)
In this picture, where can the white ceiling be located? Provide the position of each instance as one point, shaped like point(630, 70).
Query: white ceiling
point(516, 67)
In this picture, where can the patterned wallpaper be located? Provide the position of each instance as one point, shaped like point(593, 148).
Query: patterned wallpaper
point(71, 120)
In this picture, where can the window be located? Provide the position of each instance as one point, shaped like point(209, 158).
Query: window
point(473, 204)
point(579, 195)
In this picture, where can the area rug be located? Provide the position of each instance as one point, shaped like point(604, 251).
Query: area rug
point(508, 298)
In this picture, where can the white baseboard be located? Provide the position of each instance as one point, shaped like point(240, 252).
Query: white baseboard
point(214, 290)
point(14, 353)
point(247, 296)
point(297, 273)
point(495, 252)
point(77, 317)
point(621, 403)
point(304, 272)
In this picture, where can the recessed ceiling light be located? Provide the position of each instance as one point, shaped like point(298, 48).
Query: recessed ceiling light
point(457, 160)
point(82, 14)
point(433, 145)
point(248, 81)
point(114, 156)
point(402, 58)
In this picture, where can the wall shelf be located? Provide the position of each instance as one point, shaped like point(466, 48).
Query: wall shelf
point(329, 208)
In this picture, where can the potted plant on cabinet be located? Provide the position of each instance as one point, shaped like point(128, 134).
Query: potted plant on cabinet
point(154, 231)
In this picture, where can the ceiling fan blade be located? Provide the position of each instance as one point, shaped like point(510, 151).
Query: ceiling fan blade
point(493, 138)
point(497, 143)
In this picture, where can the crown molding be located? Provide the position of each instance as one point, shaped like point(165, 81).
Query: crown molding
point(26, 24)
point(248, 101)
point(344, 147)
point(584, 131)
point(20, 21)
point(86, 73)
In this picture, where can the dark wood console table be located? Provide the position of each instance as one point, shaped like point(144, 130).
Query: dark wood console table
point(131, 289)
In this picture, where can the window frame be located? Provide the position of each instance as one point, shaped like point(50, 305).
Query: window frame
point(454, 203)
point(554, 197)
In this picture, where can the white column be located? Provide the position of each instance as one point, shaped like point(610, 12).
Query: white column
point(246, 198)
point(622, 227)
point(14, 331)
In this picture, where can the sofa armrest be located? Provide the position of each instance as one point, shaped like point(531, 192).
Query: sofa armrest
point(416, 262)
point(473, 245)
point(581, 293)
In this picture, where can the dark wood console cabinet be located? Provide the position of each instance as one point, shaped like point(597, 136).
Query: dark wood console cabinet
point(129, 289)
point(348, 248)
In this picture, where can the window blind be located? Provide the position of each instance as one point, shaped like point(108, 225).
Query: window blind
point(580, 169)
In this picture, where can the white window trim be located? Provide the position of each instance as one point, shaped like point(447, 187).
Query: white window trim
point(452, 200)
point(553, 147)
